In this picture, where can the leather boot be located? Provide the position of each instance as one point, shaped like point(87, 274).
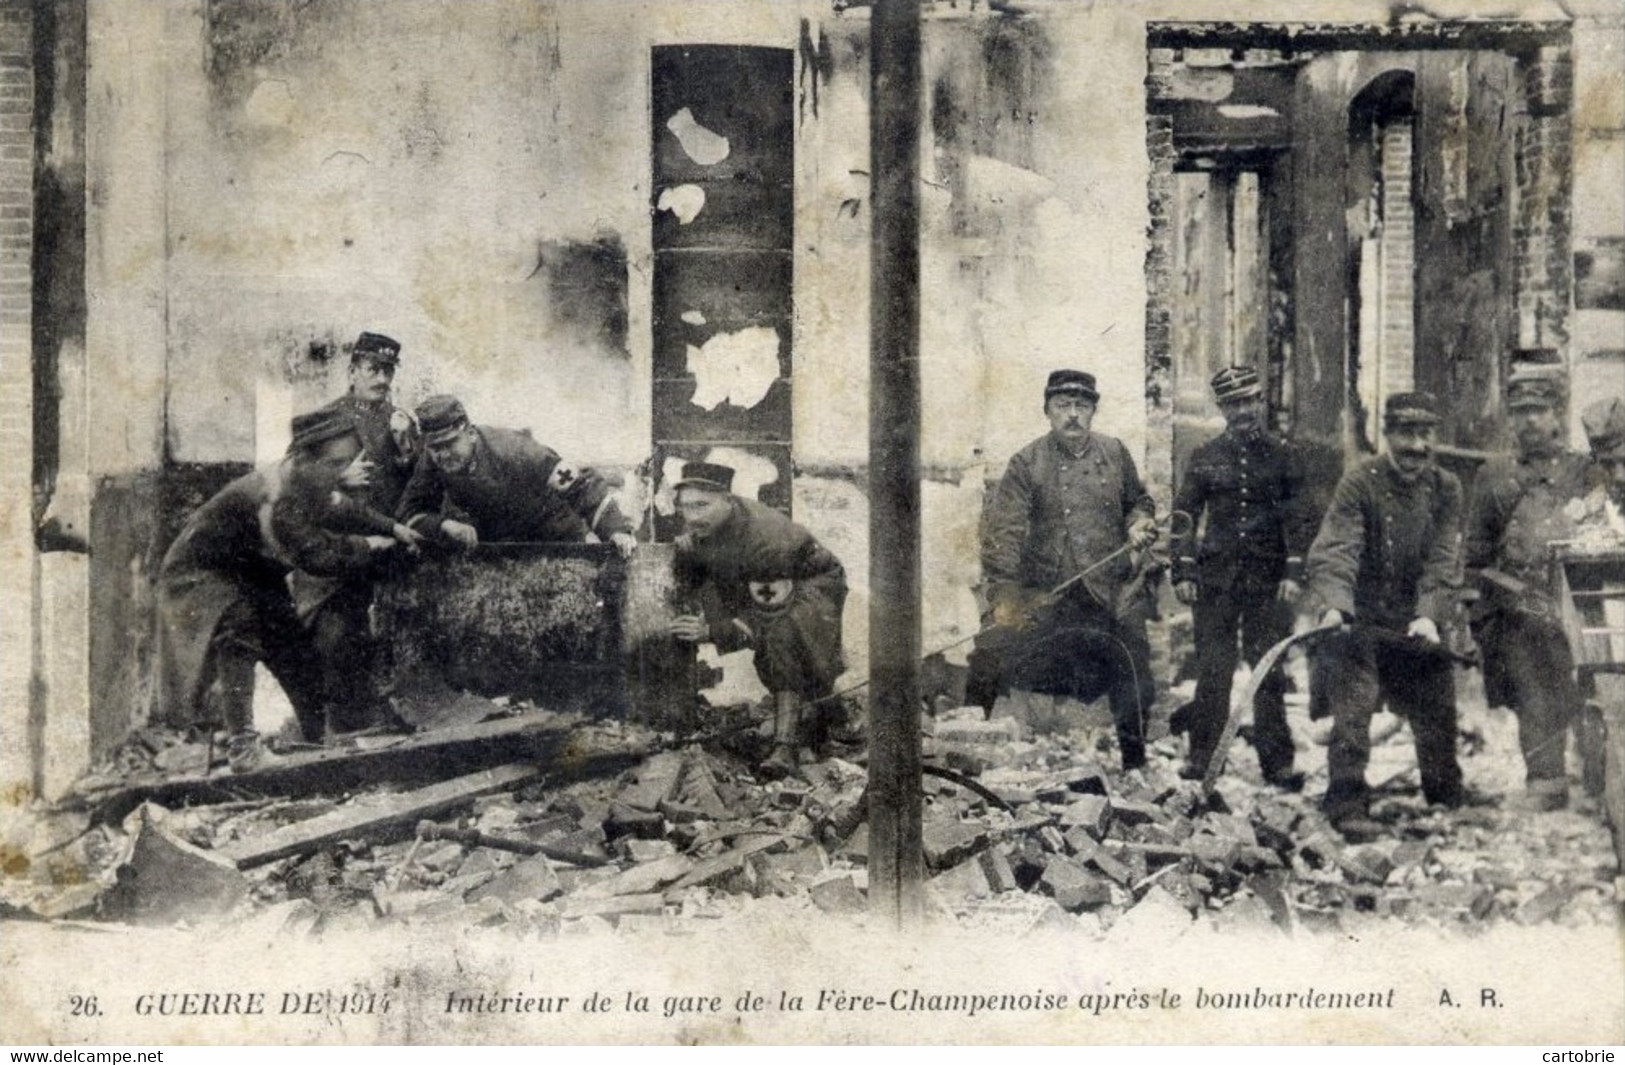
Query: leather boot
point(246, 752)
point(786, 736)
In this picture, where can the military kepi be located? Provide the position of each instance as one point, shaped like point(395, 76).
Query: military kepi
point(1410, 408)
point(710, 475)
point(378, 348)
point(1604, 423)
point(439, 417)
point(1236, 383)
point(318, 427)
point(1071, 383)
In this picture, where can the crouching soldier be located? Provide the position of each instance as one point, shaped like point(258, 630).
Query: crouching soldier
point(765, 583)
point(1384, 566)
point(1520, 506)
point(223, 597)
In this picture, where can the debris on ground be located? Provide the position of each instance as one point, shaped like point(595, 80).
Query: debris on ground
point(610, 825)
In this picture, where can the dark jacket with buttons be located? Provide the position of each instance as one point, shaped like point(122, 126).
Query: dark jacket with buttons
point(1518, 510)
point(1389, 550)
point(1259, 517)
point(1055, 513)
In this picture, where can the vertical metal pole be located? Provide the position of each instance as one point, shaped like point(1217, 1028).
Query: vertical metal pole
point(896, 862)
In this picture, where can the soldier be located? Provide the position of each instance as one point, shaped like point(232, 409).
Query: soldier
point(506, 486)
point(1250, 483)
point(1069, 501)
point(1519, 507)
point(1386, 559)
point(762, 582)
point(223, 599)
point(1604, 422)
point(336, 609)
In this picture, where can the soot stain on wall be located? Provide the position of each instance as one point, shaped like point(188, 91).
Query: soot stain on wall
point(587, 289)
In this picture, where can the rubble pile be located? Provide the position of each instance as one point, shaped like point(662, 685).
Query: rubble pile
point(1038, 833)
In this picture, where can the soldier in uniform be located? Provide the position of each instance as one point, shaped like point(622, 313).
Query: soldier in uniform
point(1250, 484)
point(479, 483)
point(337, 609)
point(1068, 501)
point(223, 599)
point(763, 582)
point(1385, 566)
point(1519, 506)
point(1604, 422)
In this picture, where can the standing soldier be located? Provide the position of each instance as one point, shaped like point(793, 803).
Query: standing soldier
point(1070, 503)
point(1387, 560)
point(1250, 483)
point(1519, 507)
point(477, 483)
point(336, 609)
point(762, 582)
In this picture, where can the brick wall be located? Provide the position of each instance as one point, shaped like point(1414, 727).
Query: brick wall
point(1398, 372)
point(16, 387)
point(1542, 168)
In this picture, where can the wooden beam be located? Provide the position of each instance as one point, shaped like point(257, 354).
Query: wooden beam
point(408, 807)
point(896, 861)
point(429, 755)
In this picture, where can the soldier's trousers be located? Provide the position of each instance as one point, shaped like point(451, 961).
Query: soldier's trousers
point(1529, 667)
point(342, 634)
point(262, 627)
point(1362, 668)
point(1251, 607)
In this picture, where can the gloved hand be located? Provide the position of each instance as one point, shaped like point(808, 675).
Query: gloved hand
point(1186, 592)
point(625, 543)
point(1334, 618)
point(460, 533)
point(1143, 533)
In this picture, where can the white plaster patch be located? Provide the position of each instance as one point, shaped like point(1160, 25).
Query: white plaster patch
point(739, 683)
point(684, 201)
point(1248, 111)
point(736, 367)
point(751, 472)
point(702, 145)
point(693, 317)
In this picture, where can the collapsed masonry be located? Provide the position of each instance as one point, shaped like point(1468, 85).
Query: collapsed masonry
point(547, 824)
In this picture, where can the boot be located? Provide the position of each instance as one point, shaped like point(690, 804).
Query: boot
point(246, 753)
point(1542, 797)
point(783, 762)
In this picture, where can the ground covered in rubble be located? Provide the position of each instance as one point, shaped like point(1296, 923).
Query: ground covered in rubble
point(1024, 833)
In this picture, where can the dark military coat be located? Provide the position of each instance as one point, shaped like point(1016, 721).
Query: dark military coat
point(1055, 513)
point(1259, 516)
point(391, 470)
point(760, 544)
point(244, 542)
point(515, 490)
point(1518, 510)
point(1388, 550)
